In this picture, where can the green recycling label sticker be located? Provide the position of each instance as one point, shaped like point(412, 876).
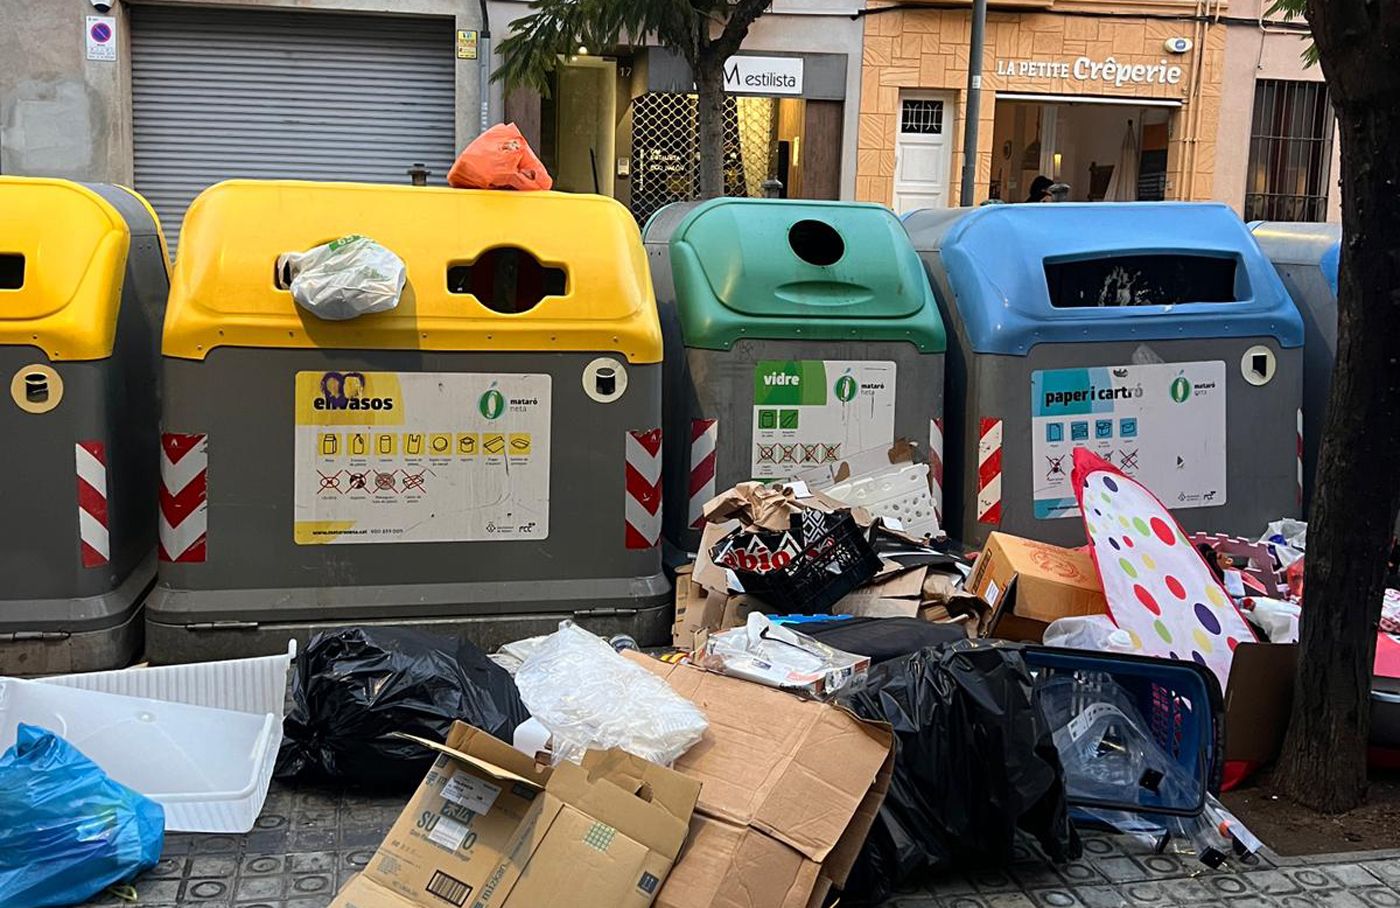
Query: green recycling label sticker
point(492, 404)
point(812, 412)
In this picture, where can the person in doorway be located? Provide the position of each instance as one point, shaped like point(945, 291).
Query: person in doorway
point(1040, 189)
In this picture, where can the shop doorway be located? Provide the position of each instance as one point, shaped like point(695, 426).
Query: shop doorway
point(763, 140)
point(581, 125)
point(1104, 150)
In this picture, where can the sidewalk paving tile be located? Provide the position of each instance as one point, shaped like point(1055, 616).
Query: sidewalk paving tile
point(307, 844)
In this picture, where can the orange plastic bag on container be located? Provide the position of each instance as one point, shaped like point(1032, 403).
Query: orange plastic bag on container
point(499, 158)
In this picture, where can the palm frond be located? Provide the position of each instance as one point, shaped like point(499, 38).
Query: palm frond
point(557, 28)
point(1290, 11)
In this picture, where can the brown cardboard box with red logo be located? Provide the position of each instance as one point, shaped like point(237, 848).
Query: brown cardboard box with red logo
point(1029, 584)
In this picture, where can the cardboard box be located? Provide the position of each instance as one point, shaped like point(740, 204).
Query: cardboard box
point(1029, 584)
point(790, 790)
point(902, 585)
point(1258, 700)
point(603, 835)
point(488, 827)
point(701, 611)
point(456, 827)
point(695, 609)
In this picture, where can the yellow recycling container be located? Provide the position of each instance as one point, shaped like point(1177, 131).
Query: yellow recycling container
point(482, 459)
point(83, 280)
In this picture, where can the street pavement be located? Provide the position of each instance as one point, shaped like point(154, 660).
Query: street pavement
point(308, 843)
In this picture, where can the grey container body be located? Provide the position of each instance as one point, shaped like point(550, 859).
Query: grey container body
point(1260, 443)
point(56, 615)
point(1297, 252)
point(719, 385)
point(258, 587)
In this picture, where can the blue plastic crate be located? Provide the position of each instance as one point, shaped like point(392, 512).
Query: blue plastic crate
point(1180, 702)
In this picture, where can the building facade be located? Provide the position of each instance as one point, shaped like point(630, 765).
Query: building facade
point(1111, 99)
point(175, 96)
point(1276, 119)
point(621, 120)
point(180, 94)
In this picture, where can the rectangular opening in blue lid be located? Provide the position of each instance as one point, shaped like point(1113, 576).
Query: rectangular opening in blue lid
point(1152, 279)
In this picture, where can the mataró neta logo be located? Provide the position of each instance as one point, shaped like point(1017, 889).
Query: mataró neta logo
point(1181, 389)
point(492, 404)
point(846, 388)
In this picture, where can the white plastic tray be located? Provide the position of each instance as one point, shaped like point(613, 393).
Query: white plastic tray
point(200, 739)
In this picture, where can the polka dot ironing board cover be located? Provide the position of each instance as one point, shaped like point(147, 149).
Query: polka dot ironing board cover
point(1157, 586)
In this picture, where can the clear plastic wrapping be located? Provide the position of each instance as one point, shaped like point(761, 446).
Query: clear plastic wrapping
point(589, 696)
point(1110, 757)
point(1107, 747)
point(777, 656)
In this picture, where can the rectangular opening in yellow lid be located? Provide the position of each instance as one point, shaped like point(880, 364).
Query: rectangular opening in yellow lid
point(11, 271)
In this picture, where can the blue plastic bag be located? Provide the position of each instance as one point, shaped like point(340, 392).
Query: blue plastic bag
point(67, 831)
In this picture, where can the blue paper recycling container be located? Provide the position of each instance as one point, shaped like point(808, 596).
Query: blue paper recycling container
point(1154, 334)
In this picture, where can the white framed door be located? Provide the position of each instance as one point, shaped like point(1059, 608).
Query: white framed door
point(922, 150)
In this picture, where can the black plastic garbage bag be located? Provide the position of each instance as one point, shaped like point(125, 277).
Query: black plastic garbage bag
point(352, 688)
point(974, 762)
point(882, 639)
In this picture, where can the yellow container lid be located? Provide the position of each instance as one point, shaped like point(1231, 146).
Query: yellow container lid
point(225, 291)
point(62, 259)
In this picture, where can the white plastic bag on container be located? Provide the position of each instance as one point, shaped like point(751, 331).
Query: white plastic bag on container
point(344, 279)
point(589, 697)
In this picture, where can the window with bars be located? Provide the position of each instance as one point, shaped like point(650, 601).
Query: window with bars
point(921, 116)
point(1290, 152)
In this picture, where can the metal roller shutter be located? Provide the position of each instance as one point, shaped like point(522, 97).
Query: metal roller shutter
point(224, 93)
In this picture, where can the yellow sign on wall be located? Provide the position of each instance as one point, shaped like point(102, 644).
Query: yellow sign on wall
point(466, 44)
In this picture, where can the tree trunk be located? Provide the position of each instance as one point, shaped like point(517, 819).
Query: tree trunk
point(1358, 484)
point(709, 89)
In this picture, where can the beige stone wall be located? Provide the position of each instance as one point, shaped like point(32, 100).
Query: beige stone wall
point(1254, 53)
point(927, 49)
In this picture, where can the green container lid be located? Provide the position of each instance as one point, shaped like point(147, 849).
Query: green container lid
point(797, 270)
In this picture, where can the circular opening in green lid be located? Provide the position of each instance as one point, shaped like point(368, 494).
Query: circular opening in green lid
point(816, 243)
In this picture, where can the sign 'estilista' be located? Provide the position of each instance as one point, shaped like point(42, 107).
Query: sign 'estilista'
point(1083, 69)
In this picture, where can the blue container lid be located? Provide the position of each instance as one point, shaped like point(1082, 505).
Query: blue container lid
point(1302, 243)
point(996, 259)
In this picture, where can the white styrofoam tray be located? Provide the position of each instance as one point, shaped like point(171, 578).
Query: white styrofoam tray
point(199, 739)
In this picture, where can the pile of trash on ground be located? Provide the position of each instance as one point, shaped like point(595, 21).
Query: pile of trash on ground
point(850, 704)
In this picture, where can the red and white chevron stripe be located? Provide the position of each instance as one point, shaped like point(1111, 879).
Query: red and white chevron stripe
point(704, 437)
point(1300, 459)
point(643, 505)
point(184, 496)
point(935, 466)
point(989, 472)
point(94, 540)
